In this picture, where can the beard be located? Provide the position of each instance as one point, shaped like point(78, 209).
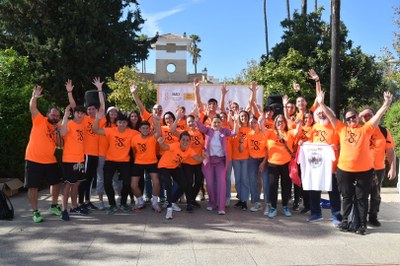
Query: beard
point(324, 121)
point(53, 121)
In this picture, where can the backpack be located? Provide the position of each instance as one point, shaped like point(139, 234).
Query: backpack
point(383, 131)
point(6, 208)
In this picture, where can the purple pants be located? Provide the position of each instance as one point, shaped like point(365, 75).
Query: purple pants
point(214, 172)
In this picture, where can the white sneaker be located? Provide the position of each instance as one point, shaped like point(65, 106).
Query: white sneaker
point(168, 216)
point(176, 208)
point(209, 208)
point(156, 207)
point(227, 202)
point(221, 212)
point(256, 207)
point(101, 206)
point(266, 211)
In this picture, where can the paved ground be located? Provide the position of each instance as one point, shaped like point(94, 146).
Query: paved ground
point(198, 238)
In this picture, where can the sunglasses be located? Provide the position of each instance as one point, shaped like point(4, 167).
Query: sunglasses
point(353, 117)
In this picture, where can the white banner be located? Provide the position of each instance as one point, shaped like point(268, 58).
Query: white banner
point(172, 95)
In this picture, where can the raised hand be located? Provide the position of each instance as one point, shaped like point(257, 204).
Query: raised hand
point(98, 83)
point(285, 99)
point(388, 97)
point(224, 90)
point(161, 140)
point(37, 92)
point(296, 86)
point(133, 87)
point(69, 86)
point(320, 97)
point(313, 75)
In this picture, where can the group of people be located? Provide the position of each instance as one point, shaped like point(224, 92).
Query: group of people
point(171, 154)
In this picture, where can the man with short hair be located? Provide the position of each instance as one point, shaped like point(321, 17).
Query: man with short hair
point(40, 161)
point(381, 144)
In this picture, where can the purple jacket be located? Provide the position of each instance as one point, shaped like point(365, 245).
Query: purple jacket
point(209, 132)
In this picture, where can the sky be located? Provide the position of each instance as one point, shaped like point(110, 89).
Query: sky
point(232, 32)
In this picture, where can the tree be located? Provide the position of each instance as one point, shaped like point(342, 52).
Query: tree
point(120, 92)
point(73, 39)
point(194, 50)
point(303, 7)
point(144, 45)
point(288, 11)
point(335, 35)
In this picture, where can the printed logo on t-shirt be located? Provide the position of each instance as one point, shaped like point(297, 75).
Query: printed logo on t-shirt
point(178, 159)
point(119, 143)
point(322, 134)
point(351, 137)
point(255, 144)
point(89, 128)
point(51, 133)
point(142, 147)
point(195, 140)
point(315, 159)
point(79, 135)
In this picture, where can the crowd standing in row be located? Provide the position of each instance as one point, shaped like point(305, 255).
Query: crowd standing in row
point(165, 155)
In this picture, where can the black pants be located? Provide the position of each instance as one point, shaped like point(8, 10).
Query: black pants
point(274, 173)
point(355, 187)
point(85, 187)
point(123, 169)
point(178, 177)
point(194, 179)
point(375, 192)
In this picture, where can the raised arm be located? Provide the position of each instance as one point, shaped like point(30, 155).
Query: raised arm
point(157, 126)
point(386, 104)
point(96, 129)
point(285, 101)
point(179, 115)
point(331, 116)
point(252, 100)
point(36, 93)
point(224, 91)
point(197, 98)
point(136, 98)
point(314, 76)
point(64, 122)
point(69, 87)
point(99, 86)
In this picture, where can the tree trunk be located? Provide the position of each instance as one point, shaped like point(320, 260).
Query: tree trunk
point(288, 13)
point(266, 30)
point(303, 7)
point(316, 5)
point(335, 39)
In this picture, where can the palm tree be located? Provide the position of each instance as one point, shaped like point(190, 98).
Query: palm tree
point(194, 50)
point(335, 39)
point(266, 29)
point(316, 5)
point(304, 7)
point(288, 12)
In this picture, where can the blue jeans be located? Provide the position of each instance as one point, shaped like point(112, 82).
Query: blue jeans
point(253, 164)
point(242, 182)
point(334, 198)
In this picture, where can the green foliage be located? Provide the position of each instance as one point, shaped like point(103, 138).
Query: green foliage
point(73, 39)
point(392, 122)
point(15, 91)
point(121, 94)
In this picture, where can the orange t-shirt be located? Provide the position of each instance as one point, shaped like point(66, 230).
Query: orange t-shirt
point(355, 154)
point(306, 133)
point(182, 125)
point(144, 149)
point(277, 152)
point(197, 144)
point(91, 140)
point(236, 155)
point(169, 137)
point(119, 144)
point(269, 124)
point(173, 157)
point(378, 146)
point(257, 144)
point(326, 134)
point(42, 141)
point(146, 116)
point(73, 143)
point(103, 143)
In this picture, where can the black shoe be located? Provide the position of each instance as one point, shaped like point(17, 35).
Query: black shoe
point(189, 208)
point(65, 215)
point(238, 204)
point(374, 221)
point(244, 206)
point(361, 230)
point(196, 204)
point(304, 210)
point(296, 206)
point(91, 207)
point(344, 226)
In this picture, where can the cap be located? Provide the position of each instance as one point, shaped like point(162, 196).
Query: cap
point(112, 108)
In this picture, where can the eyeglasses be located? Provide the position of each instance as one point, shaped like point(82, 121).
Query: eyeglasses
point(353, 117)
point(280, 121)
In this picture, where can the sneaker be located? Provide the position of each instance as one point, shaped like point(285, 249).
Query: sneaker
point(78, 211)
point(55, 209)
point(227, 202)
point(286, 211)
point(361, 230)
point(344, 226)
point(238, 204)
point(101, 206)
point(91, 207)
point(221, 212)
point(336, 222)
point(176, 208)
point(209, 208)
point(138, 207)
point(65, 215)
point(296, 206)
point(315, 218)
point(147, 201)
point(244, 206)
point(37, 217)
point(272, 213)
point(256, 207)
point(125, 208)
point(165, 204)
point(189, 207)
point(112, 209)
point(156, 207)
point(266, 211)
point(304, 210)
point(83, 210)
point(168, 216)
point(374, 221)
